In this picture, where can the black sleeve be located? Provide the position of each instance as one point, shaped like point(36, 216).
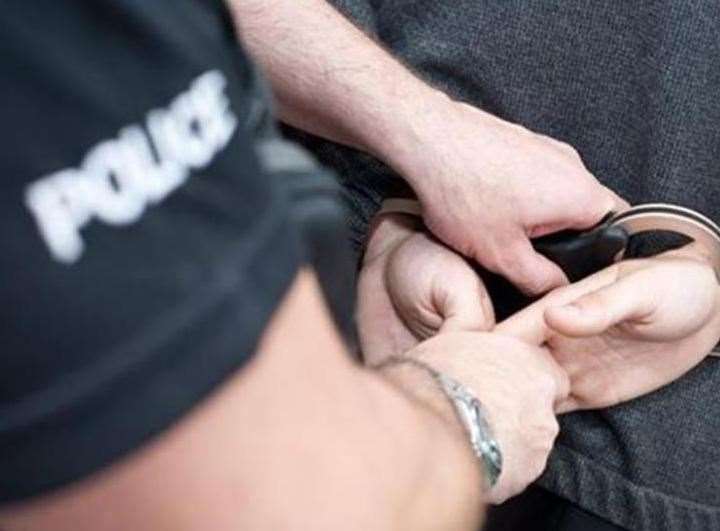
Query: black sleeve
point(145, 244)
point(365, 182)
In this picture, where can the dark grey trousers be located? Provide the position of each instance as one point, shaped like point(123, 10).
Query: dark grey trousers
point(540, 510)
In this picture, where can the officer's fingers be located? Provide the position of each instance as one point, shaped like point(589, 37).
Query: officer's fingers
point(528, 325)
point(516, 260)
point(618, 203)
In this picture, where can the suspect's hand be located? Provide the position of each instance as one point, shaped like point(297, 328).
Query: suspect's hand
point(487, 186)
point(628, 329)
point(412, 287)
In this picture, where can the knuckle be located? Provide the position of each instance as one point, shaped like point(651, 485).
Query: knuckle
point(539, 461)
point(543, 433)
point(553, 429)
point(547, 434)
point(514, 255)
point(537, 285)
point(480, 246)
point(538, 468)
point(494, 256)
point(506, 263)
point(567, 148)
point(515, 259)
point(564, 148)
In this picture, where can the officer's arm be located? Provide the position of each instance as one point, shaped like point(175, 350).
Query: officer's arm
point(331, 79)
point(300, 439)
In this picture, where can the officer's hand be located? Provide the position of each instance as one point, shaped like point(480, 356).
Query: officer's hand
point(519, 386)
point(487, 186)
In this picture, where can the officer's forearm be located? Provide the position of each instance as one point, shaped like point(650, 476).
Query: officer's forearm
point(331, 79)
point(301, 438)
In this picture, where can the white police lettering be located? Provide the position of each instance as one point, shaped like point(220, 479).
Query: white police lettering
point(119, 178)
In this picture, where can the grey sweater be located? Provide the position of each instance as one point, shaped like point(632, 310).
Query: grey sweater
point(635, 87)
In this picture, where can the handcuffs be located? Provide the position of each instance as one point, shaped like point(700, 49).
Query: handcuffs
point(578, 254)
point(581, 253)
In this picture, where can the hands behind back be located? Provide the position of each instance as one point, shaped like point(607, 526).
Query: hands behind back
point(412, 287)
point(487, 186)
point(616, 335)
point(629, 329)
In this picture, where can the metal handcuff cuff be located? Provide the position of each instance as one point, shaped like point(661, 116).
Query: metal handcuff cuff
point(579, 254)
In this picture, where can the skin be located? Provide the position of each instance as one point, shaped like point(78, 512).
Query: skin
point(303, 438)
point(397, 310)
point(333, 433)
point(618, 334)
point(265, 443)
point(412, 287)
point(629, 329)
point(486, 185)
point(520, 398)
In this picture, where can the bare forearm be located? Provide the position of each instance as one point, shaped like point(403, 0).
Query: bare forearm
point(331, 79)
point(301, 439)
point(389, 438)
point(447, 491)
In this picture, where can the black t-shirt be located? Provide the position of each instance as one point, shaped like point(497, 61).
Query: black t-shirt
point(147, 227)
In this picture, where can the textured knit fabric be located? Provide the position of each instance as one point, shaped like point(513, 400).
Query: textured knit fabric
point(635, 87)
point(540, 510)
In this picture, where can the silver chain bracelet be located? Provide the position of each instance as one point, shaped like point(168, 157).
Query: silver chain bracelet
point(469, 411)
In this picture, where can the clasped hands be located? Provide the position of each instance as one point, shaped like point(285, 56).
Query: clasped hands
point(614, 336)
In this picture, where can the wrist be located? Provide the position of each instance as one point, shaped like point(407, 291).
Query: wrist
point(415, 124)
point(450, 399)
point(386, 232)
point(417, 146)
point(452, 474)
point(420, 387)
point(388, 118)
